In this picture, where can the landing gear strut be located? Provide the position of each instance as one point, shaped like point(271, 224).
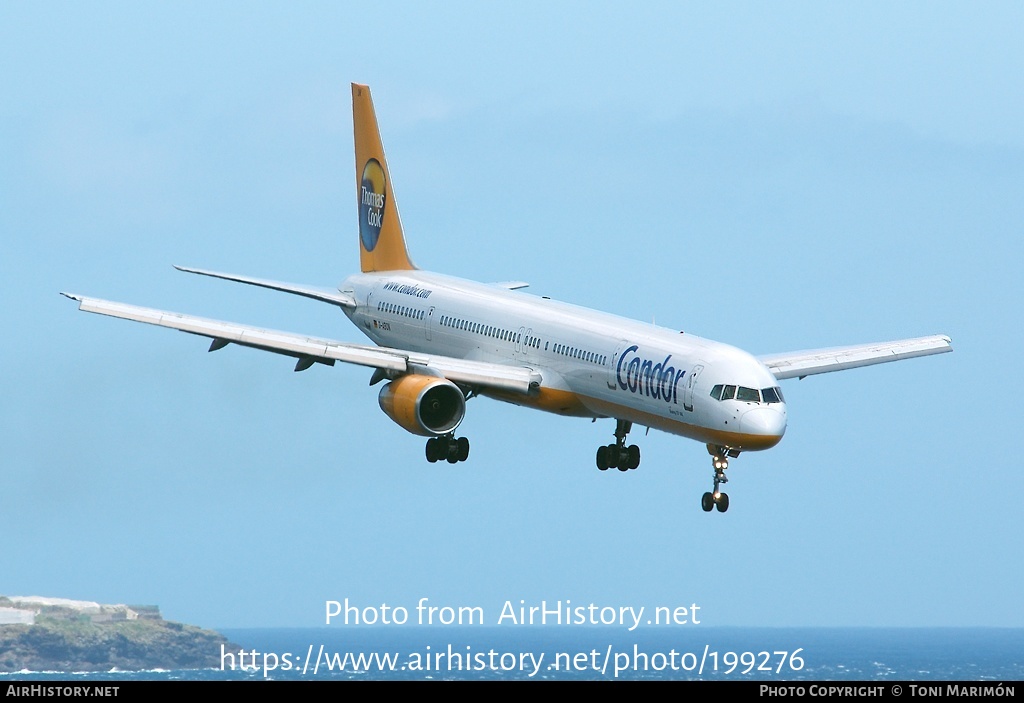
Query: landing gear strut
point(447, 447)
point(720, 462)
point(618, 455)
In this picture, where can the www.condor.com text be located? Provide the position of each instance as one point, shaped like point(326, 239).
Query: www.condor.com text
point(454, 659)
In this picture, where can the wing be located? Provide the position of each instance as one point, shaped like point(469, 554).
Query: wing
point(807, 363)
point(309, 350)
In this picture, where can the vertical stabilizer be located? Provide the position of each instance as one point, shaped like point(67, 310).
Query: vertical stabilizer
point(381, 242)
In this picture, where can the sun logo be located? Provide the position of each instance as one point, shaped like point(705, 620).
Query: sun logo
point(372, 199)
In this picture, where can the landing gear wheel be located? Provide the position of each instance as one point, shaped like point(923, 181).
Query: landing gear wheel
point(613, 456)
point(618, 455)
point(719, 462)
point(447, 448)
point(623, 458)
point(634, 456)
point(432, 447)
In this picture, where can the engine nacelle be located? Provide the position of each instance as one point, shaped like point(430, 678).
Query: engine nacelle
point(424, 405)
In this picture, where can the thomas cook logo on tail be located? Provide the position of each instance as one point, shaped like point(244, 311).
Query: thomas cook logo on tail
point(372, 199)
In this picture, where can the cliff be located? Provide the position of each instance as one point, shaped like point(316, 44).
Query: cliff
point(80, 636)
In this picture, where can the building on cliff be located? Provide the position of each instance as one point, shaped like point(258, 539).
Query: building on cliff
point(23, 610)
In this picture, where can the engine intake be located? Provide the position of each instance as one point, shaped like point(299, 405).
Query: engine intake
point(424, 405)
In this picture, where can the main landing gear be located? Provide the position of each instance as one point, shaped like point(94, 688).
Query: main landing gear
point(447, 447)
point(618, 455)
point(720, 461)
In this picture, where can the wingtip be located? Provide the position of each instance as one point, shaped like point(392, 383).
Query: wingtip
point(72, 296)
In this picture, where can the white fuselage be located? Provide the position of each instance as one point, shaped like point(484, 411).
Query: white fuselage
point(593, 364)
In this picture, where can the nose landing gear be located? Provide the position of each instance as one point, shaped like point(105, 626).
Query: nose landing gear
point(618, 455)
point(447, 448)
point(720, 462)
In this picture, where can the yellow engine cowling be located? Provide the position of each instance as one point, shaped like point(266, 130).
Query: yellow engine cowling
point(424, 405)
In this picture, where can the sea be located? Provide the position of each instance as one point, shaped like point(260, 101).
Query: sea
point(596, 653)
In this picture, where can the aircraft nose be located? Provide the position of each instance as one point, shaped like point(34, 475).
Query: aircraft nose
point(764, 422)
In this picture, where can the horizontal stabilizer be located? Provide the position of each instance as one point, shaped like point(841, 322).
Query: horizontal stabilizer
point(814, 361)
point(511, 285)
point(326, 295)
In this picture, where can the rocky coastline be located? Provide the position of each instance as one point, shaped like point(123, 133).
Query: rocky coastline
point(54, 634)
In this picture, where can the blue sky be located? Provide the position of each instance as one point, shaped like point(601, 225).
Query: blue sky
point(777, 176)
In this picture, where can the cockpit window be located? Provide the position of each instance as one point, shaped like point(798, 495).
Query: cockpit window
point(772, 395)
point(750, 395)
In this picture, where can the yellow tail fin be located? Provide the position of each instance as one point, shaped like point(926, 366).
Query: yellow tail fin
point(381, 242)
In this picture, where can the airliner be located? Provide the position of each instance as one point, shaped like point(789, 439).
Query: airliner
point(439, 341)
